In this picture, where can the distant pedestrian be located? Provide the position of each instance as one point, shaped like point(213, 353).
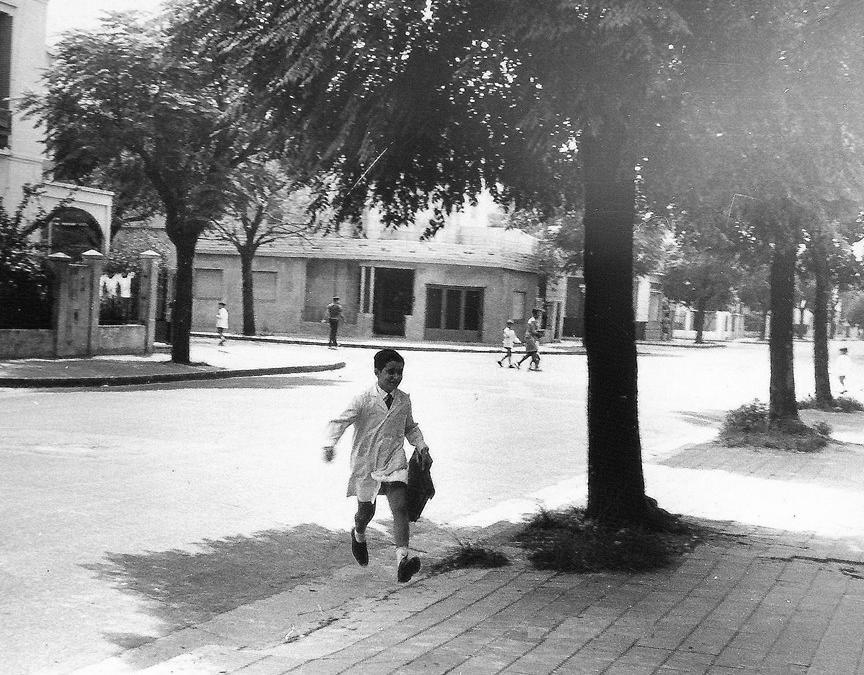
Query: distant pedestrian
point(533, 333)
point(382, 420)
point(169, 317)
point(221, 322)
point(124, 290)
point(842, 366)
point(334, 316)
point(508, 341)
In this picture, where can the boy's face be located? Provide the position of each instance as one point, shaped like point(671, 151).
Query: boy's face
point(390, 375)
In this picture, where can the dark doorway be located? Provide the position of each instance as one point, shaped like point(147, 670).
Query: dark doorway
point(394, 298)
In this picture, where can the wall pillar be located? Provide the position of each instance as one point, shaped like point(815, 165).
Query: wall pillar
point(93, 264)
point(147, 290)
point(59, 263)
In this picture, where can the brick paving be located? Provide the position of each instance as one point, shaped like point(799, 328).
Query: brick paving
point(747, 600)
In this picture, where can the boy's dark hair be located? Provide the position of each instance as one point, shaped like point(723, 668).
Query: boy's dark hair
point(385, 356)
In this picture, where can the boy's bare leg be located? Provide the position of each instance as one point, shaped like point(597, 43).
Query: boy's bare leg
point(399, 509)
point(406, 565)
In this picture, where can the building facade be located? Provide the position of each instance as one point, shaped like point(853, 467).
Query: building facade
point(85, 221)
point(461, 285)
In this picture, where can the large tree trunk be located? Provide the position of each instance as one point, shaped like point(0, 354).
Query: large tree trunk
point(699, 320)
point(248, 292)
point(616, 487)
point(820, 319)
point(782, 405)
point(181, 317)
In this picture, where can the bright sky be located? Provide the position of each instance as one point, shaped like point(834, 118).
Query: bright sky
point(67, 14)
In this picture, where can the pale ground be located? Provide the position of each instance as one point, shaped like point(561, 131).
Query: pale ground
point(149, 506)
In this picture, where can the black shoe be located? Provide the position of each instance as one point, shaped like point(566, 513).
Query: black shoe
point(500, 365)
point(360, 551)
point(407, 569)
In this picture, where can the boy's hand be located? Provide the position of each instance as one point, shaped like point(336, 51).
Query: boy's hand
point(328, 454)
point(425, 457)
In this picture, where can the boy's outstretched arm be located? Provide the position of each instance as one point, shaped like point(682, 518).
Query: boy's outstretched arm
point(337, 426)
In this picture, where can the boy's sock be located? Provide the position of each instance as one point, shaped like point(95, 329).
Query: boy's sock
point(401, 552)
point(359, 536)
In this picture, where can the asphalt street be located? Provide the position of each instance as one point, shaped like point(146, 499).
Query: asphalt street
point(128, 512)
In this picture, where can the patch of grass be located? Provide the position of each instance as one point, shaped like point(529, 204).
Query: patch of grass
point(567, 541)
point(749, 426)
point(470, 554)
point(840, 404)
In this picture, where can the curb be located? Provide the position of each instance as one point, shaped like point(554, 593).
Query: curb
point(120, 380)
point(466, 349)
point(444, 347)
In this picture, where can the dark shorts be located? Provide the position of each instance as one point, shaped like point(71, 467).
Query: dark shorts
point(391, 485)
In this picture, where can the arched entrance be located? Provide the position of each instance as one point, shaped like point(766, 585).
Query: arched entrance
point(73, 231)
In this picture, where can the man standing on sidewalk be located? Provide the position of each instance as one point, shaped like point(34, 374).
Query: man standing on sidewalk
point(334, 315)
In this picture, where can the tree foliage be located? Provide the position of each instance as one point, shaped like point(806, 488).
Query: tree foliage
point(423, 104)
point(262, 209)
point(25, 278)
point(771, 120)
point(126, 98)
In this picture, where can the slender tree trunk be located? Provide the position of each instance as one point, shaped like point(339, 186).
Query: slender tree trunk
point(699, 320)
point(246, 258)
point(782, 406)
point(181, 317)
point(822, 275)
point(616, 487)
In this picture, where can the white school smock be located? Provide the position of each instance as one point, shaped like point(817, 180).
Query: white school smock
point(510, 338)
point(377, 452)
point(222, 318)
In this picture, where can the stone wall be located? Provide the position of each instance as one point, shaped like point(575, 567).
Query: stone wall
point(19, 343)
point(75, 324)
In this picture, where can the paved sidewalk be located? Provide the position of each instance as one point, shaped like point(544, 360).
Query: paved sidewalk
point(209, 362)
point(750, 599)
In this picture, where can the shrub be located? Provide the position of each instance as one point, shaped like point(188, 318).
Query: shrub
point(569, 542)
point(468, 554)
point(847, 404)
point(750, 418)
point(822, 428)
point(749, 426)
point(844, 404)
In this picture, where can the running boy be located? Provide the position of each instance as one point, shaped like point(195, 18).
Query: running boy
point(382, 421)
point(509, 340)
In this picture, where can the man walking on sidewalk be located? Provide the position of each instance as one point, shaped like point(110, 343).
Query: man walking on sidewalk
point(334, 315)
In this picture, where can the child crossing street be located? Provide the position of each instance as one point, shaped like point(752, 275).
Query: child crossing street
point(383, 420)
point(509, 340)
point(533, 333)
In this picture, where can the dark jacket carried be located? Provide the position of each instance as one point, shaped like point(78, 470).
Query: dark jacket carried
point(420, 486)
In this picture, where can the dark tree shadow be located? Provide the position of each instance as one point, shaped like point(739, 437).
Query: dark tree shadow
point(186, 588)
